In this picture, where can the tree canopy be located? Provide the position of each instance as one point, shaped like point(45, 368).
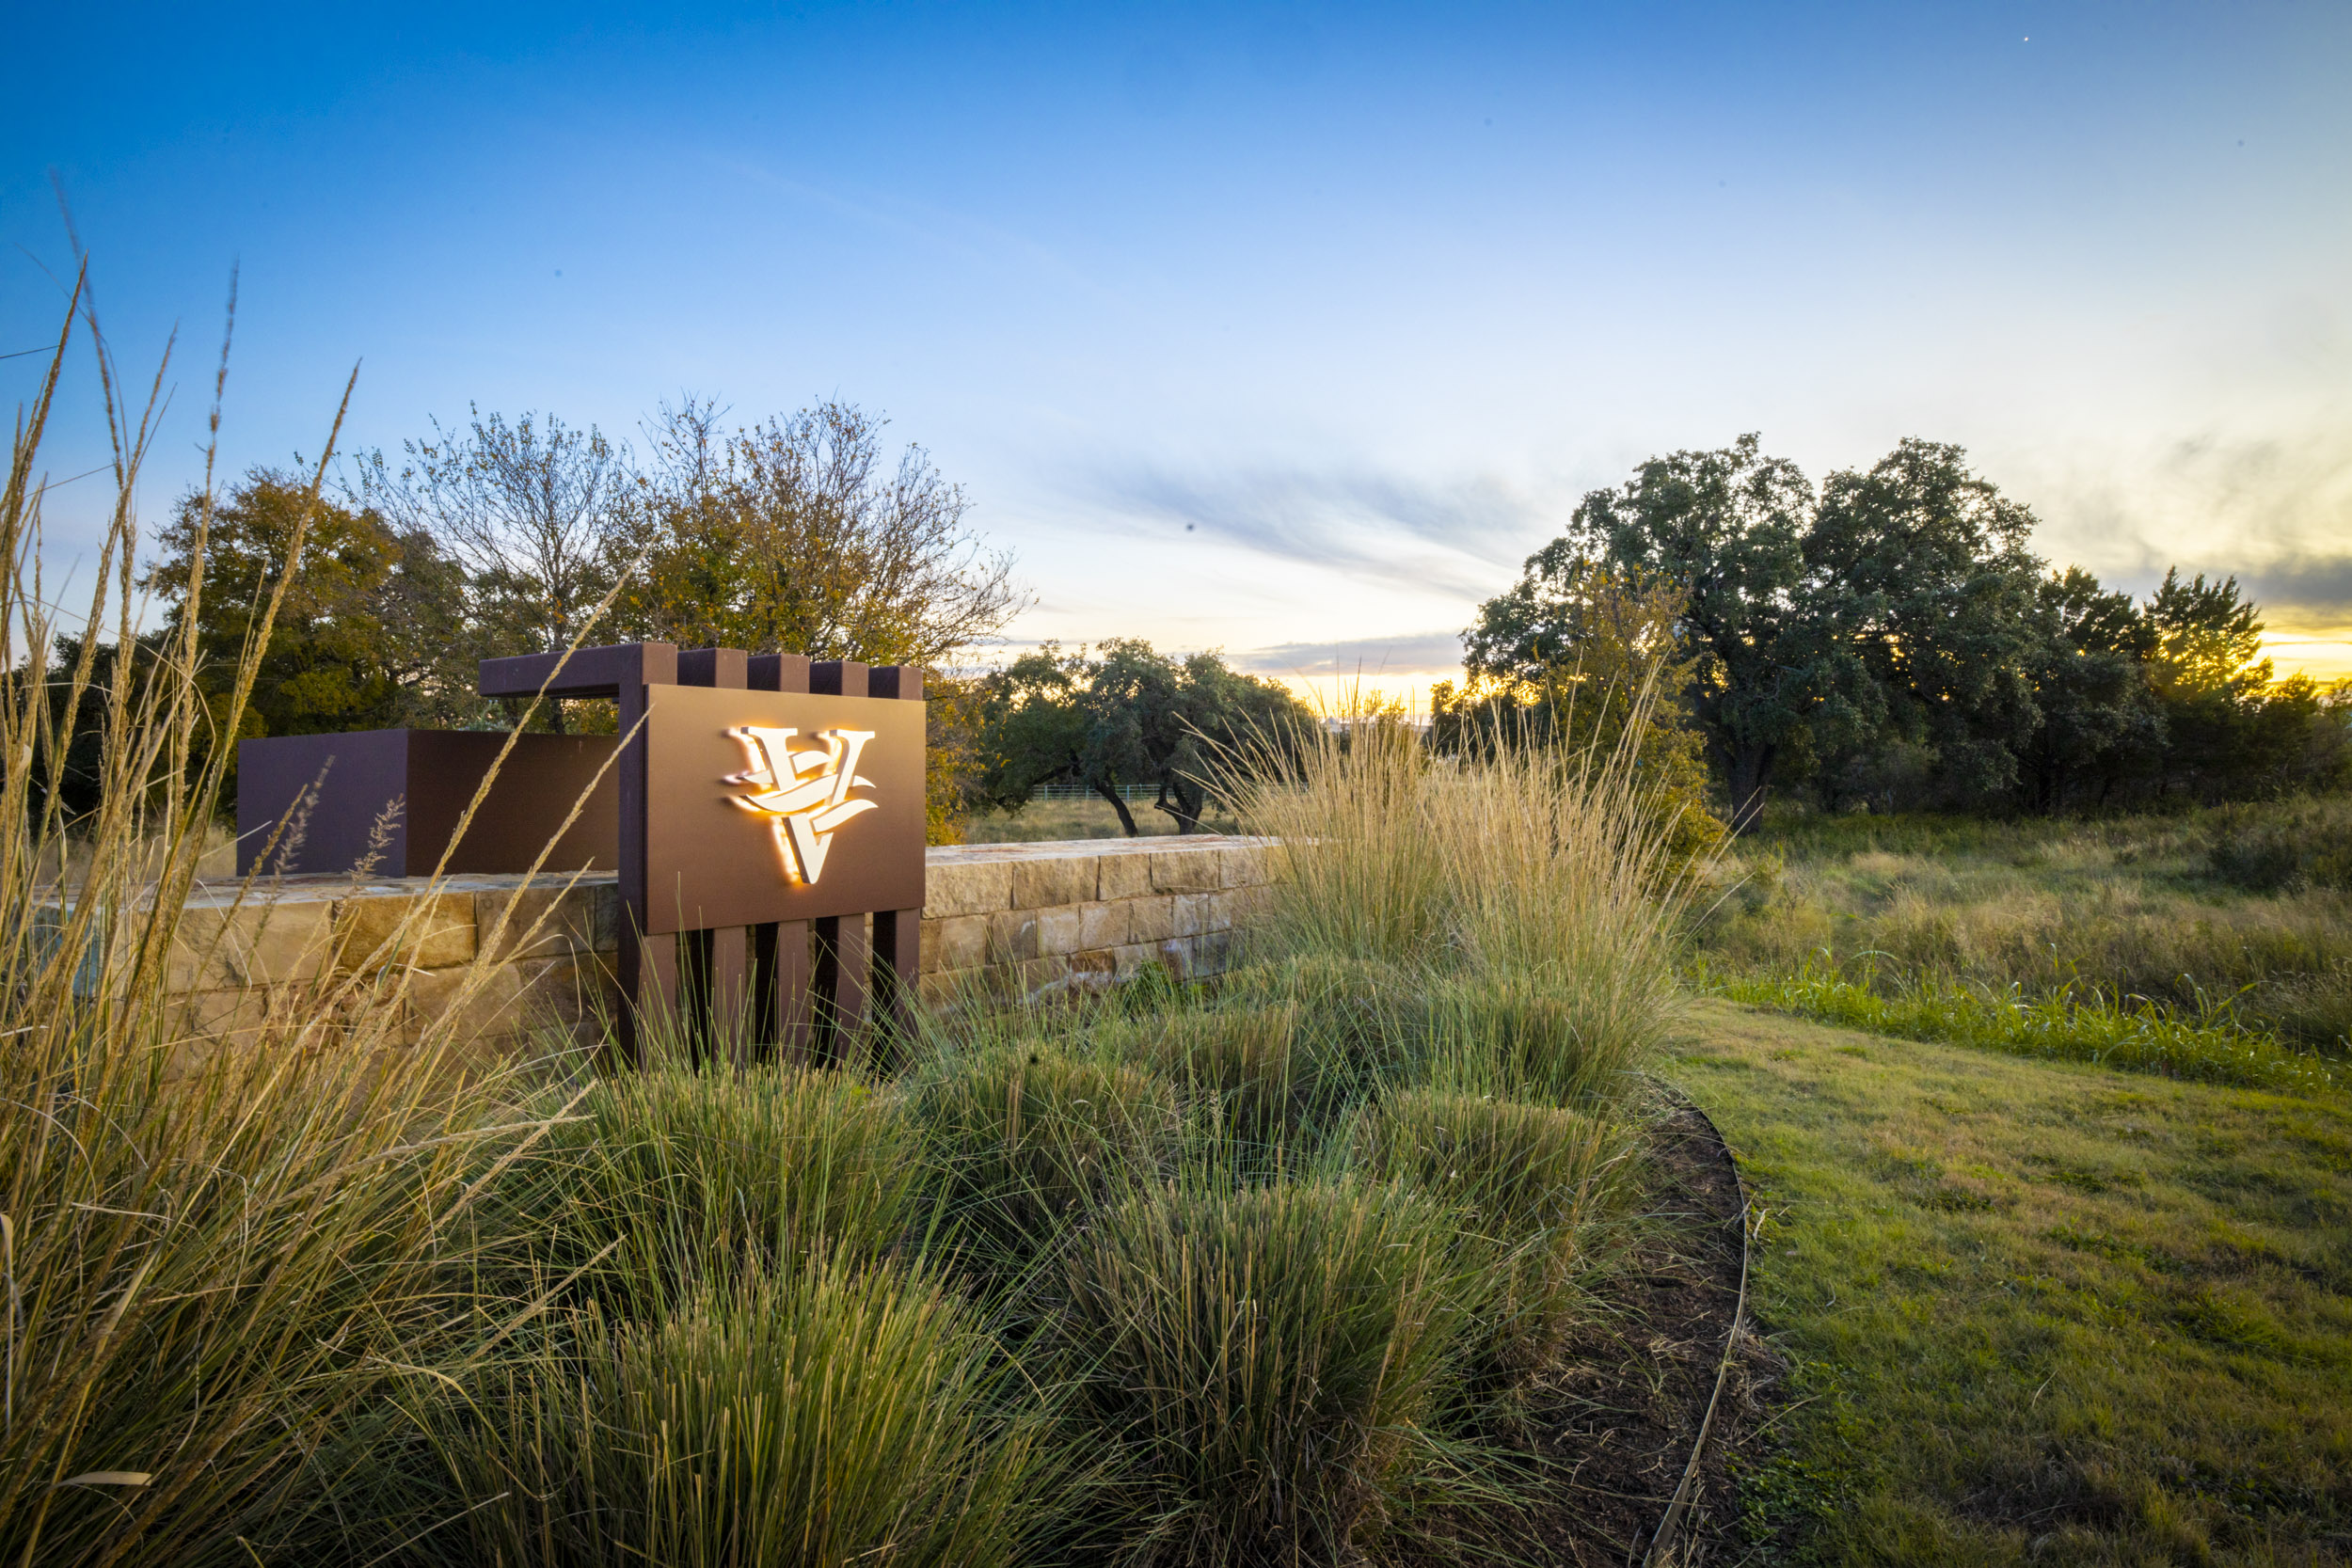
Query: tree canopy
point(1126, 718)
point(1891, 637)
point(370, 632)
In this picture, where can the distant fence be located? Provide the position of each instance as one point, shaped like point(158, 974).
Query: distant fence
point(1132, 794)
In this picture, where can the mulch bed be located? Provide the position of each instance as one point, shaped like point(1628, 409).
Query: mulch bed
point(1619, 1418)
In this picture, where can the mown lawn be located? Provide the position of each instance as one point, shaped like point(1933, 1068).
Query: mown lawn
point(2033, 1311)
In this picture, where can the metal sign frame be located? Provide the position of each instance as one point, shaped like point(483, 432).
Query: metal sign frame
point(800, 983)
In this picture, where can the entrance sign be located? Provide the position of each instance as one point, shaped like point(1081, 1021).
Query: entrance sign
point(776, 805)
point(770, 844)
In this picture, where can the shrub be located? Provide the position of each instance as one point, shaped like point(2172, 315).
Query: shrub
point(1272, 1358)
point(685, 1173)
point(1026, 1135)
point(1525, 1181)
point(840, 1415)
point(2301, 844)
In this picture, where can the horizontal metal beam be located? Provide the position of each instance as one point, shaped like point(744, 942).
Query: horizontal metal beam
point(588, 673)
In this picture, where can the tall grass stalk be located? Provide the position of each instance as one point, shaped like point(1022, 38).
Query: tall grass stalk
point(213, 1259)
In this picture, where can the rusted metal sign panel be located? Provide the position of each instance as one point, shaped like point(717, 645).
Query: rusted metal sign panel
point(779, 806)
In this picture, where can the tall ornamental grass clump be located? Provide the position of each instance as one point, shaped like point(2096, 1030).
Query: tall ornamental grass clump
point(1253, 1075)
point(665, 1177)
point(1526, 1184)
point(825, 1416)
point(212, 1260)
point(1555, 868)
point(1272, 1362)
point(1027, 1138)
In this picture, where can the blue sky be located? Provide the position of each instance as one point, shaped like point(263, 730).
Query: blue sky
point(1286, 330)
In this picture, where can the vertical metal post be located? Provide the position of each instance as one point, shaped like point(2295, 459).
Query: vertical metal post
point(841, 958)
point(723, 994)
point(648, 965)
point(897, 933)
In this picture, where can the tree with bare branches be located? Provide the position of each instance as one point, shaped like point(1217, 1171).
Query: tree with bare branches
point(533, 509)
point(801, 532)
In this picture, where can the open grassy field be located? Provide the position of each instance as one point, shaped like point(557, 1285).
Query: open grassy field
point(2238, 918)
point(2035, 1312)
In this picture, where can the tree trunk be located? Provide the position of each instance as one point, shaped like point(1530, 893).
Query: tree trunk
point(1126, 819)
point(1187, 809)
point(1751, 781)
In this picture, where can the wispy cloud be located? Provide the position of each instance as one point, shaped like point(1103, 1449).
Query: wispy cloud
point(1467, 537)
point(1415, 653)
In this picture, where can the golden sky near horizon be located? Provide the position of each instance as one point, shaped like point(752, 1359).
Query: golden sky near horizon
point(2325, 654)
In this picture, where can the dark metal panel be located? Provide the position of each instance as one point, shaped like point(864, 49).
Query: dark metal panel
point(357, 774)
point(837, 678)
point(711, 667)
point(778, 672)
point(712, 862)
point(540, 781)
point(897, 964)
point(842, 960)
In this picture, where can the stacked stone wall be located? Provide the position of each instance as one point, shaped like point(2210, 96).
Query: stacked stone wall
point(1000, 922)
point(1031, 919)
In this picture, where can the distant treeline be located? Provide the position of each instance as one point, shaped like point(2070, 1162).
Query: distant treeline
point(1888, 638)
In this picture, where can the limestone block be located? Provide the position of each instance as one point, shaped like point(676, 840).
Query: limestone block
point(1212, 952)
point(1247, 905)
point(1090, 971)
point(1194, 914)
point(1105, 925)
point(566, 994)
point(949, 988)
point(1176, 954)
point(571, 921)
point(1151, 919)
point(958, 942)
point(1060, 930)
point(1012, 936)
point(1244, 867)
point(263, 943)
point(1122, 876)
point(1134, 958)
point(1052, 879)
point(967, 887)
point(424, 931)
point(1038, 975)
point(437, 1002)
point(224, 1017)
point(1187, 870)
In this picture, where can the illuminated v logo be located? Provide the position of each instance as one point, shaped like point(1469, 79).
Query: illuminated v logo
point(805, 793)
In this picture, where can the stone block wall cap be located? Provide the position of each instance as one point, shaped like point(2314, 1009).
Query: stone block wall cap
point(1068, 848)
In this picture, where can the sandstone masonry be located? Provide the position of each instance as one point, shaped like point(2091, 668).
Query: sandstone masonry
point(1001, 921)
